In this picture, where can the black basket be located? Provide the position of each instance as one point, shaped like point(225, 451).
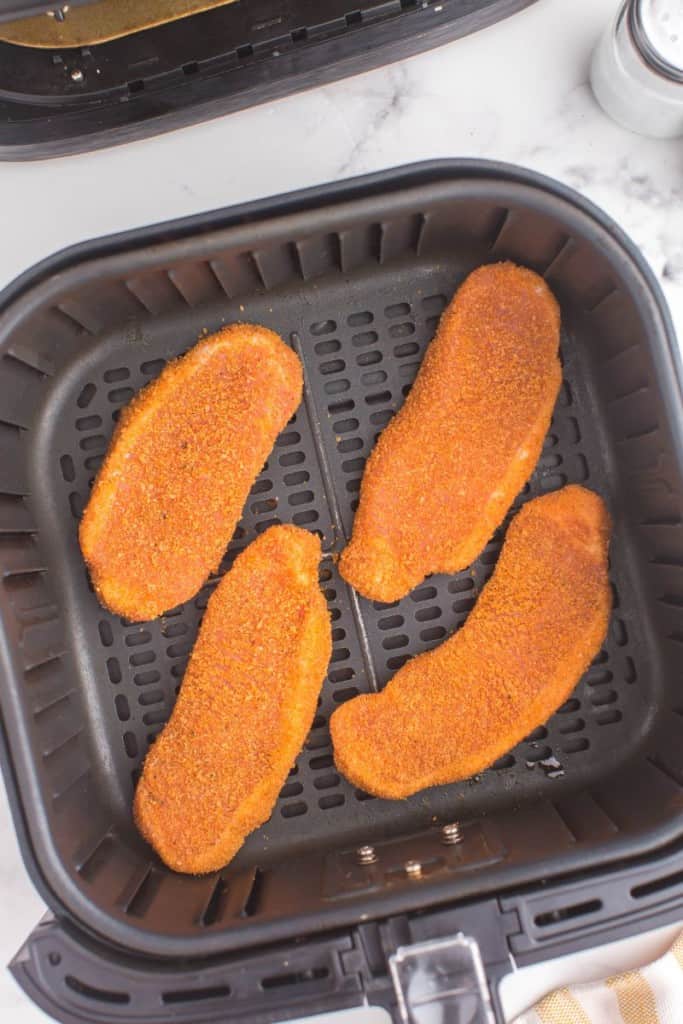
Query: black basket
point(354, 276)
point(68, 100)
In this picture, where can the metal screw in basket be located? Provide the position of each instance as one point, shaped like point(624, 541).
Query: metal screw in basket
point(366, 855)
point(413, 868)
point(77, 75)
point(451, 834)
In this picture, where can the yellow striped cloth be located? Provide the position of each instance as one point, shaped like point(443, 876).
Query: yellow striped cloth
point(650, 995)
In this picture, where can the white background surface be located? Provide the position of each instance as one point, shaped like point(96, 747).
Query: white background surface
point(516, 92)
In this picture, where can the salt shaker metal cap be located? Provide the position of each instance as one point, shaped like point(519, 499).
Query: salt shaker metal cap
point(637, 67)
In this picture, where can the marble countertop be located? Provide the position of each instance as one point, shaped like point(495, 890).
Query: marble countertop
point(517, 92)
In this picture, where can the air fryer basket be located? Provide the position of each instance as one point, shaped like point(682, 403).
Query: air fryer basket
point(354, 276)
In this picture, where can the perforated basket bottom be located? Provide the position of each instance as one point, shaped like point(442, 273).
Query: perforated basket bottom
point(361, 341)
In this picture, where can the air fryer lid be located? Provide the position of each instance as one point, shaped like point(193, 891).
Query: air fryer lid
point(354, 276)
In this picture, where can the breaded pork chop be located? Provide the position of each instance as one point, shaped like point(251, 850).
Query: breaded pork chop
point(245, 706)
point(447, 468)
point(183, 457)
point(538, 623)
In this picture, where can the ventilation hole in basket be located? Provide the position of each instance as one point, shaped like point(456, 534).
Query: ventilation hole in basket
point(326, 803)
point(152, 367)
point(142, 658)
point(364, 338)
point(423, 594)
point(336, 408)
point(380, 419)
point(391, 622)
point(538, 754)
point(506, 761)
point(338, 634)
point(353, 465)
point(465, 604)
point(323, 761)
point(291, 437)
point(433, 303)
point(427, 614)
point(326, 781)
point(118, 396)
point(363, 796)
point(323, 327)
point(369, 358)
point(608, 717)
point(409, 348)
point(94, 442)
point(148, 697)
point(576, 725)
point(139, 638)
point(345, 426)
point(340, 654)
point(76, 504)
point(300, 498)
point(551, 440)
point(179, 649)
point(566, 397)
point(93, 462)
point(598, 677)
point(291, 789)
point(375, 377)
point(603, 697)
point(217, 904)
point(66, 464)
point(340, 675)
point(260, 487)
point(350, 444)
point(86, 396)
point(550, 461)
point(324, 574)
point(115, 375)
point(88, 422)
point(292, 459)
point(358, 319)
point(398, 309)
point(106, 634)
point(336, 387)
point(193, 995)
point(330, 594)
point(393, 643)
point(431, 324)
point(408, 370)
point(619, 632)
point(122, 707)
point(575, 746)
point(538, 734)
point(382, 606)
point(332, 366)
point(145, 894)
point(157, 717)
point(335, 613)
point(569, 706)
point(259, 507)
point(398, 661)
point(629, 670)
point(379, 398)
point(300, 978)
point(327, 348)
point(171, 629)
point(114, 670)
point(550, 917)
point(401, 330)
point(100, 995)
point(433, 633)
point(340, 696)
point(553, 481)
point(294, 810)
point(319, 721)
point(130, 744)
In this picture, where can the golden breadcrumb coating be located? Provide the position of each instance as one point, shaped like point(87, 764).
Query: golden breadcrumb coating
point(447, 468)
point(538, 623)
point(245, 706)
point(180, 465)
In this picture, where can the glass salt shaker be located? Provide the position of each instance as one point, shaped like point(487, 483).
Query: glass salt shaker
point(637, 68)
